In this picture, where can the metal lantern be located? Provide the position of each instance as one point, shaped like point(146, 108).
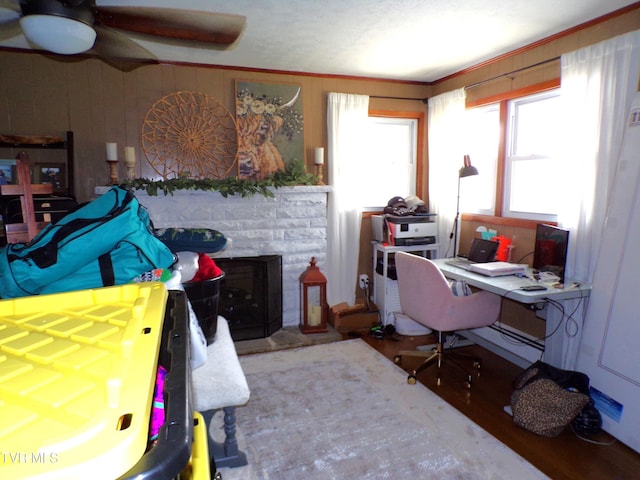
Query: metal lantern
point(313, 300)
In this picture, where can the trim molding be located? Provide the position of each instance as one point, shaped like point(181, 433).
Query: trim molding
point(503, 221)
point(544, 41)
point(520, 92)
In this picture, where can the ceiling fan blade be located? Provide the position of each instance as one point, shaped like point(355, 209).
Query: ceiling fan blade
point(10, 5)
point(9, 30)
point(174, 25)
point(9, 26)
point(112, 44)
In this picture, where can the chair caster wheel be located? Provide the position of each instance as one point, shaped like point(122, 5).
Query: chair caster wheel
point(411, 379)
point(397, 359)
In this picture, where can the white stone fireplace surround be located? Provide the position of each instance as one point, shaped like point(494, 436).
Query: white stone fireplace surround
point(292, 224)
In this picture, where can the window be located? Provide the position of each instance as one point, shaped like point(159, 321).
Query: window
point(518, 164)
point(531, 170)
point(392, 157)
point(478, 195)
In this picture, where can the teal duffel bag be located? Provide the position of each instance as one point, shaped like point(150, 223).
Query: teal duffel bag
point(108, 241)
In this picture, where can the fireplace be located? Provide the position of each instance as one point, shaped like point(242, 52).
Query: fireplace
point(251, 295)
point(291, 223)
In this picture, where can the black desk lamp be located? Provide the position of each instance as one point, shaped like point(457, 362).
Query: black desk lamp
point(467, 170)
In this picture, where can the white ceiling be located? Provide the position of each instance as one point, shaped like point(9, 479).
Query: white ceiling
point(420, 40)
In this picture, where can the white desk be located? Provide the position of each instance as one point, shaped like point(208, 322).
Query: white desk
point(557, 344)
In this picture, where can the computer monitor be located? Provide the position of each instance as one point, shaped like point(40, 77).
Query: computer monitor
point(550, 253)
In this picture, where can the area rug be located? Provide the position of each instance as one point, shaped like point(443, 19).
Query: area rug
point(344, 411)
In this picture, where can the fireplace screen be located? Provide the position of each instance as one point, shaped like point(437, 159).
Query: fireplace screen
point(251, 295)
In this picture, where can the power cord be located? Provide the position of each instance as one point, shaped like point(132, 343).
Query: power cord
point(534, 307)
point(524, 256)
point(366, 296)
point(595, 442)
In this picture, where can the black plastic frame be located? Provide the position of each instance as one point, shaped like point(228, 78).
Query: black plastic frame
point(168, 458)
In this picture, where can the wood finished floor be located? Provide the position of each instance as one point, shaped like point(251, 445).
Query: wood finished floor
point(562, 457)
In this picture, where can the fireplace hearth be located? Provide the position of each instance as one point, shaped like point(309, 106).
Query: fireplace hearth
point(291, 223)
point(251, 295)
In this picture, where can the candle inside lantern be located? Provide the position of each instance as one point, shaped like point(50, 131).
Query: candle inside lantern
point(315, 315)
point(112, 151)
point(130, 156)
point(319, 156)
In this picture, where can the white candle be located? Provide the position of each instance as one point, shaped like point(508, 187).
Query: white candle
point(112, 151)
point(130, 156)
point(315, 316)
point(319, 155)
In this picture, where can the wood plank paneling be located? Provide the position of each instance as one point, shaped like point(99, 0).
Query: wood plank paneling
point(50, 98)
point(114, 107)
point(21, 109)
point(79, 101)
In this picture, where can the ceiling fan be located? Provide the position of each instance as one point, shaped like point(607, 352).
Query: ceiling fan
point(69, 27)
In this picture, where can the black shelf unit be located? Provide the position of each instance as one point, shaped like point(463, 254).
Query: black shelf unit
point(55, 143)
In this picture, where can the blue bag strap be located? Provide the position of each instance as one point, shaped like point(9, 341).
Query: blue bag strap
point(106, 270)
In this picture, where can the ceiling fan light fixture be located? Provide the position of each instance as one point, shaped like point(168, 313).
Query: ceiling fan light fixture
point(58, 34)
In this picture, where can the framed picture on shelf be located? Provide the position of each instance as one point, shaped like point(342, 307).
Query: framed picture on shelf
point(8, 173)
point(51, 173)
point(270, 127)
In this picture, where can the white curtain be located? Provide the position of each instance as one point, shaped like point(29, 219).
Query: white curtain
point(346, 126)
point(597, 86)
point(446, 153)
point(598, 83)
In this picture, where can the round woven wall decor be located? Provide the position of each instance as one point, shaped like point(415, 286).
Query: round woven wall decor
point(190, 134)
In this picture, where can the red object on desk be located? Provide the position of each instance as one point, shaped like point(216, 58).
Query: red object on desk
point(502, 255)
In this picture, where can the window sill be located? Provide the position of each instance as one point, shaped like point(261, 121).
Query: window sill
point(503, 221)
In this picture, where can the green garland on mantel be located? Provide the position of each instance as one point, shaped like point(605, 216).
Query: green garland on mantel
point(294, 174)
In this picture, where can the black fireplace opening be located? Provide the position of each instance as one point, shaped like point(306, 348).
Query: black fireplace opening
point(251, 295)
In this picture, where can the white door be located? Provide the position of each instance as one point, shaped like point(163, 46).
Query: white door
point(610, 348)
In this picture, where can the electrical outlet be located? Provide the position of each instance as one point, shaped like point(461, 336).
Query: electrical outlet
point(364, 281)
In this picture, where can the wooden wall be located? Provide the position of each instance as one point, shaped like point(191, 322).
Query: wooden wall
point(626, 20)
point(48, 95)
point(493, 84)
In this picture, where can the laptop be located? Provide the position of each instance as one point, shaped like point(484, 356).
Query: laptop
point(498, 269)
point(481, 251)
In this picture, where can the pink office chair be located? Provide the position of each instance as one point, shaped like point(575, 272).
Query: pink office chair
point(426, 297)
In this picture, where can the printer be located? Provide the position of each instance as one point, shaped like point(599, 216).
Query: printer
point(404, 230)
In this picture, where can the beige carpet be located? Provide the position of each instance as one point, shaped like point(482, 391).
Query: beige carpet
point(343, 411)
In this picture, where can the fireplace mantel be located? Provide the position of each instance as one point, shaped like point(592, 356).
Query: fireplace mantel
point(293, 224)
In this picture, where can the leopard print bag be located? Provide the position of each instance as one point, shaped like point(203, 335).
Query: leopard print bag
point(546, 399)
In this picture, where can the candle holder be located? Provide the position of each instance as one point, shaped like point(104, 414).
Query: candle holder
point(112, 161)
point(314, 310)
point(319, 162)
point(131, 171)
point(130, 162)
point(113, 171)
point(320, 173)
